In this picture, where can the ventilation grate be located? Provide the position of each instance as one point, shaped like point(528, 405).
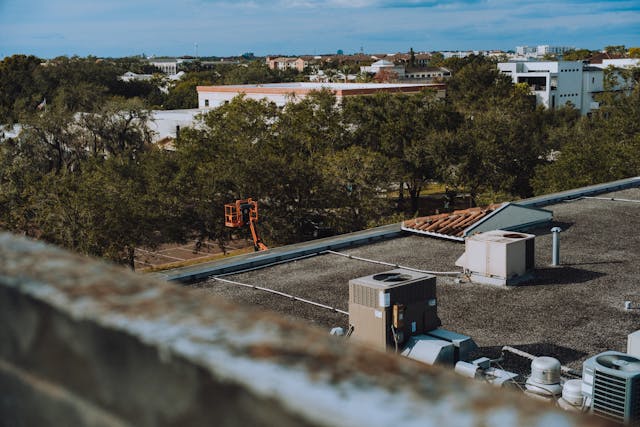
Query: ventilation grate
point(609, 396)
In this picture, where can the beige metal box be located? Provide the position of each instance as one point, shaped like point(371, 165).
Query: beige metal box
point(371, 307)
point(498, 257)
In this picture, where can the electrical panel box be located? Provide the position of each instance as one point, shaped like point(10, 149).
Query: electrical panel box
point(386, 309)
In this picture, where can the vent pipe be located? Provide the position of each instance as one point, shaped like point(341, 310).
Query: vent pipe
point(556, 246)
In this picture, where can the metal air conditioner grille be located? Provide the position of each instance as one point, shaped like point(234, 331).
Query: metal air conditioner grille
point(609, 396)
point(634, 410)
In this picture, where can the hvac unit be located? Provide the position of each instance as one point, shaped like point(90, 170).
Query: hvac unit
point(386, 309)
point(611, 380)
point(498, 257)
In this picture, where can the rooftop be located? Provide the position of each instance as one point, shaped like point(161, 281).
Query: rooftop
point(569, 312)
point(306, 87)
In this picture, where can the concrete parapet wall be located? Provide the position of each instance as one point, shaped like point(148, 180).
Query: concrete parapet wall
point(87, 343)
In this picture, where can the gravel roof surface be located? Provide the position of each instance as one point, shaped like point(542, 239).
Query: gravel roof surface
point(570, 312)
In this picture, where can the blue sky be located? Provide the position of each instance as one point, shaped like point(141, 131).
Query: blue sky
point(49, 28)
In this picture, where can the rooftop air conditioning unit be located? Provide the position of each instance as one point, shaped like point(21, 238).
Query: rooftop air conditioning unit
point(386, 309)
point(499, 257)
point(611, 380)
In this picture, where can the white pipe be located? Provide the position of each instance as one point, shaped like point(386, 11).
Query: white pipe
point(271, 264)
point(530, 356)
point(317, 304)
point(555, 256)
point(613, 199)
point(437, 273)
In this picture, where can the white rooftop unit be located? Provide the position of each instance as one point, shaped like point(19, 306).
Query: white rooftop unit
point(498, 257)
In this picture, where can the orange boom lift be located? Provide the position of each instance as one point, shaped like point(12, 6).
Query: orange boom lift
point(241, 213)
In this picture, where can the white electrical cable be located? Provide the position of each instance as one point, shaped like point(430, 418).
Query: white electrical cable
point(609, 199)
point(273, 291)
point(530, 356)
point(437, 273)
point(613, 199)
point(259, 267)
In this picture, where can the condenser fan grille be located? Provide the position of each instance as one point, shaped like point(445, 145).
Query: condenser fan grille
point(619, 362)
point(609, 396)
point(392, 277)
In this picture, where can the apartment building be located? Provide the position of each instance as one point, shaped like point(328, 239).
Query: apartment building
point(558, 83)
point(283, 63)
point(541, 50)
point(282, 93)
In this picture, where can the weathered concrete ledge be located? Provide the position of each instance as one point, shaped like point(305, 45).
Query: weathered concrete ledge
point(284, 253)
point(86, 343)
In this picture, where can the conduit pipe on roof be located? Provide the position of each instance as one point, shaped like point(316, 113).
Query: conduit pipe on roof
point(608, 199)
point(436, 273)
point(271, 264)
point(613, 199)
point(530, 356)
point(273, 291)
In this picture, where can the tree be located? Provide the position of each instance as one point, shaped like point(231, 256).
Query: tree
point(437, 59)
point(616, 50)
point(634, 52)
point(403, 129)
point(58, 140)
point(17, 90)
point(289, 161)
point(219, 162)
point(253, 73)
point(497, 149)
point(576, 54)
point(119, 128)
point(478, 85)
point(600, 148)
point(357, 182)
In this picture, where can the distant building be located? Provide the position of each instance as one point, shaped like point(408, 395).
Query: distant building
point(282, 93)
point(385, 65)
point(168, 66)
point(619, 63)
point(527, 51)
point(282, 63)
point(541, 50)
point(167, 124)
point(427, 73)
point(459, 53)
point(558, 83)
point(552, 50)
point(131, 76)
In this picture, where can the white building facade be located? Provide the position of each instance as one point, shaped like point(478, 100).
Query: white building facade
point(283, 93)
point(381, 65)
point(558, 83)
point(167, 67)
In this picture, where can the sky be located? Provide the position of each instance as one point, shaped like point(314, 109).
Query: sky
point(114, 28)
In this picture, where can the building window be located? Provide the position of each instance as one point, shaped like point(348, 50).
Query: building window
point(206, 102)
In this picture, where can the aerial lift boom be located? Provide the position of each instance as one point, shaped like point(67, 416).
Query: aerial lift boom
point(241, 213)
